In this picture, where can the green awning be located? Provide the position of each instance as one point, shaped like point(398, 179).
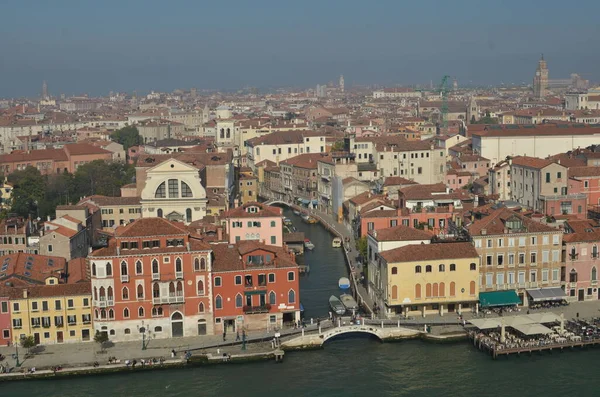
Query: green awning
point(499, 298)
point(255, 292)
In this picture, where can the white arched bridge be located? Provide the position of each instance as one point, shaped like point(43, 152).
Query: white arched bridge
point(319, 338)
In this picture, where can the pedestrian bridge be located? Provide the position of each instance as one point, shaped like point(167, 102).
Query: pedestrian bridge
point(280, 202)
point(319, 338)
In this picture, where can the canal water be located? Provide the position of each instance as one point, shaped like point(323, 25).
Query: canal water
point(354, 366)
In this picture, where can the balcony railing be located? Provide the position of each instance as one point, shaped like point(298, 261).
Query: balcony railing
point(573, 285)
point(155, 276)
point(100, 303)
point(179, 275)
point(168, 299)
point(257, 309)
point(124, 278)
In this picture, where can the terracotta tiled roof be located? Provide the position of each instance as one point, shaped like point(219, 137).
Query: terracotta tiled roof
point(151, 227)
point(495, 223)
point(578, 172)
point(306, 160)
point(364, 198)
point(48, 291)
point(580, 231)
point(82, 149)
point(30, 267)
point(538, 130)
point(531, 162)
point(397, 181)
point(78, 271)
point(416, 192)
point(264, 211)
point(104, 201)
point(430, 252)
point(228, 256)
point(400, 233)
point(284, 137)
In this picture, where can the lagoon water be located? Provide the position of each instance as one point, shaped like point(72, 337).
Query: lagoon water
point(356, 366)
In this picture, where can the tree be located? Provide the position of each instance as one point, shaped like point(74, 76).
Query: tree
point(100, 177)
point(361, 246)
point(101, 338)
point(289, 116)
point(127, 136)
point(28, 343)
point(337, 146)
point(29, 191)
point(488, 119)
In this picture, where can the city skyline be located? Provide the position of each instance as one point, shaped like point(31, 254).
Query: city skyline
point(96, 48)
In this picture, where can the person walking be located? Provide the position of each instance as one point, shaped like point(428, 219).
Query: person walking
point(224, 335)
point(237, 335)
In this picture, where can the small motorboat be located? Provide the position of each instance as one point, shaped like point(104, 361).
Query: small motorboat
point(336, 305)
point(337, 242)
point(305, 217)
point(349, 302)
point(312, 220)
point(344, 283)
point(308, 245)
point(287, 222)
point(296, 212)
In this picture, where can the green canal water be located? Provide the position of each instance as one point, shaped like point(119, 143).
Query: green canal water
point(354, 366)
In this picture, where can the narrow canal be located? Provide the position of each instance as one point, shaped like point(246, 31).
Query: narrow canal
point(327, 265)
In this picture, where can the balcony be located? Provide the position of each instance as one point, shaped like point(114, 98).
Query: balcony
point(179, 275)
point(533, 284)
point(124, 278)
point(155, 276)
point(100, 303)
point(326, 178)
point(168, 299)
point(257, 309)
point(573, 285)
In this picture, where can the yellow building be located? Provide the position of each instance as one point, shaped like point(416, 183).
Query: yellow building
point(59, 313)
point(5, 194)
point(430, 278)
point(248, 186)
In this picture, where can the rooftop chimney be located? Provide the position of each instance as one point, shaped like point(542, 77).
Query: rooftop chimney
point(25, 293)
point(219, 233)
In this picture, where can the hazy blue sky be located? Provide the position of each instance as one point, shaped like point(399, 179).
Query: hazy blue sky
point(83, 46)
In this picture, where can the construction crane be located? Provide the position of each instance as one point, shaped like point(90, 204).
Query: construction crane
point(444, 89)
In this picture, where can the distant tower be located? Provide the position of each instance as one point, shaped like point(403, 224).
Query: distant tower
point(342, 83)
point(44, 90)
point(540, 80)
point(472, 110)
point(454, 84)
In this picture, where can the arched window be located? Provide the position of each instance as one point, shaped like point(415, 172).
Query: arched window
point(140, 291)
point(238, 300)
point(272, 223)
point(442, 291)
point(200, 287)
point(127, 331)
point(111, 314)
point(141, 312)
point(124, 268)
point(185, 190)
point(418, 291)
point(188, 214)
point(228, 133)
point(155, 290)
point(180, 288)
point(161, 191)
point(196, 264)
point(272, 298)
point(394, 270)
point(201, 308)
point(442, 267)
point(472, 288)
point(173, 188)
point(103, 314)
point(159, 213)
point(595, 251)
point(418, 269)
point(452, 267)
point(93, 269)
point(218, 302)
point(158, 328)
point(95, 293)
point(222, 133)
point(178, 265)
point(573, 252)
point(428, 290)
point(155, 266)
point(291, 296)
point(126, 313)
point(394, 292)
point(171, 289)
point(138, 267)
point(202, 264)
point(473, 266)
point(428, 269)
point(96, 314)
point(102, 293)
point(108, 269)
point(436, 290)
point(594, 274)
point(452, 288)
point(109, 293)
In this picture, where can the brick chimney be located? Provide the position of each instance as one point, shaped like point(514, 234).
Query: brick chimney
point(219, 233)
point(25, 293)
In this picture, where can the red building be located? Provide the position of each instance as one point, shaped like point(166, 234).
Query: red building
point(152, 280)
point(255, 286)
point(588, 182)
point(382, 216)
point(5, 324)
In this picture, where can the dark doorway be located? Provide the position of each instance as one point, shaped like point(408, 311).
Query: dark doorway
point(230, 325)
point(201, 327)
point(451, 308)
point(581, 296)
point(289, 318)
point(59, 337)
point(36, 337)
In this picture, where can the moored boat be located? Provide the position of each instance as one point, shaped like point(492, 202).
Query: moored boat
point(344, 283)
point(296, 212)
point(349, 302)
point(337, 242)
point(336, 305)
point(287, 221)
point(311, 220)
point(308, 244)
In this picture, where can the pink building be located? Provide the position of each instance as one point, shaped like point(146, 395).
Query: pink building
point(255, 221)
point(581, 245)
point(474, 164)
point(5, 325)
point(589, 179)
point(457, 179)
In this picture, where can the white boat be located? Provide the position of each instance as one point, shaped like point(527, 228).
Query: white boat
point(337, 242)
point(296, 212)
point(344, 283)
point(308, 245)
point(349, 302)
point(336, 305)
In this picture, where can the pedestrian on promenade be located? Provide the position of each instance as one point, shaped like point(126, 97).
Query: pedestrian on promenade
point(224, 336)
point(244, 334)
point(237, 335)
point(173, 353)
point(330, 317)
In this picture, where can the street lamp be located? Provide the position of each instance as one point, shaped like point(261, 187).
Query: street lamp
point(142, 331)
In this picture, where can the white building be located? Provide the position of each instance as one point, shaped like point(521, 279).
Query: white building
point(282, 145)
